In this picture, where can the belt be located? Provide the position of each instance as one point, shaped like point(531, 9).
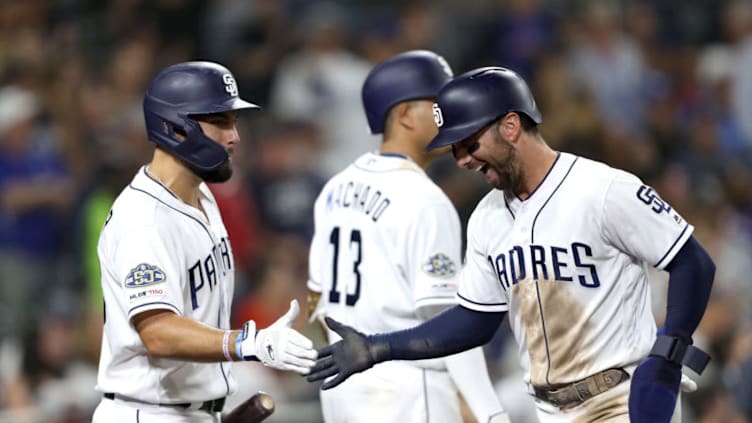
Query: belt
point(211, 406)
point(573, 394)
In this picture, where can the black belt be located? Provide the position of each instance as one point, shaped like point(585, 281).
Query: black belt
point(573, 394)
point(211, 406)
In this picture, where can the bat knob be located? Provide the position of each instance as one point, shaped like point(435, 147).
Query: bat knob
point(265, 402)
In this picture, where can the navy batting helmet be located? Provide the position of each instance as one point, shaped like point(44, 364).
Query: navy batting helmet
point(476, 98)
point(181, 91)
point(407, 76)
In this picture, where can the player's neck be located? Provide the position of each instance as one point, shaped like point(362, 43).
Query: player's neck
point(537, 163)
point(410, 150)
point(176, 177)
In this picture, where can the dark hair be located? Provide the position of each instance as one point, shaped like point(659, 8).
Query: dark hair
point(528, 124)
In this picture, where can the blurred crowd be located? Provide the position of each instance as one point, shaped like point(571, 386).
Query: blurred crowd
point(660, 88)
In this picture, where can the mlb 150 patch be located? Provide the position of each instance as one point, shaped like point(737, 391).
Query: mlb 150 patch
point(144, 275)
point(440, 265)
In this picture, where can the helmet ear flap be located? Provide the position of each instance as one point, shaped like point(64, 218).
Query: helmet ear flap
point(172, 130)
point(190, 125)
point(197, 149)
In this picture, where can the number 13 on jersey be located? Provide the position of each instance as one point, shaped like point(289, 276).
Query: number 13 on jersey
point(353, 241)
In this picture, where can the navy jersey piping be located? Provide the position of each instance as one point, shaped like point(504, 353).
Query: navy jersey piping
point(221, 364)
point(397, 155)
point(532, 240)
point(506, 203)
point(155, 302)
point(545, 334)
point(425, 396)
point(532, 229)
point(224, 376)
point(672, 245)
point(158, 182)
point(208, 233)
point(553, 165)
point(481, 304)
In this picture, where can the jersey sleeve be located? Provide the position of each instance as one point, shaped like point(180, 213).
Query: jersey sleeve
point(479, 287)
point(433, 250)
point(150, 278)
point(637, 221)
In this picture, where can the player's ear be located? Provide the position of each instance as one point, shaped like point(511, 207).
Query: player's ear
point(403, 116)
point(509, 127)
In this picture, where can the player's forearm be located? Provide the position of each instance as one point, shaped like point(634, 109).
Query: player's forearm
point(691, 275)
point(454, 330)
point(167, 335)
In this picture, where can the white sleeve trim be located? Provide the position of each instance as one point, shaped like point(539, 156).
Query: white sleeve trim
point(487, 307)
point(157, 305)
point(677, 245)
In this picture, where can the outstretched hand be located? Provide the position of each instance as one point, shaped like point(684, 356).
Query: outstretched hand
point(353, 354)
point(278, 346)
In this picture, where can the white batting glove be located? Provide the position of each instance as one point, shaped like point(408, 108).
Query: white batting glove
point(278, 346)
point(687, 384)
point(500, 417)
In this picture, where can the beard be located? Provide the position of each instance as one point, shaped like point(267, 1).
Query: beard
point(509, 171)
point(216, 175)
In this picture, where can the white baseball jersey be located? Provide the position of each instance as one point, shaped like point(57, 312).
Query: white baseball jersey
point(569, 264)
point(387, 243)
point(371, 256)
point(157, 252)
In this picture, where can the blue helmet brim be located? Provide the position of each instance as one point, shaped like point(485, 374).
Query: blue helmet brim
point(454, 135)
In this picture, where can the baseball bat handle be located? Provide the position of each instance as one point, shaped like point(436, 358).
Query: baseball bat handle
point(253, 410)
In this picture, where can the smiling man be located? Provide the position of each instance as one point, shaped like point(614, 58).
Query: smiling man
point(168, 269)
point(561, 244)
point(377, 261)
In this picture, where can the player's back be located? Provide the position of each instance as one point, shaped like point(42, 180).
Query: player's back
point(387, 242)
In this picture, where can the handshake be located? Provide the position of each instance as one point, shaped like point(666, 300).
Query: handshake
point(281, 347)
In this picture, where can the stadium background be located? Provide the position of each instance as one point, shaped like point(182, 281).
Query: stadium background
point(661, 88)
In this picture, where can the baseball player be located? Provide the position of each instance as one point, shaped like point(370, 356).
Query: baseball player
point(561, 244)
point(378, 262)
point(167, 265)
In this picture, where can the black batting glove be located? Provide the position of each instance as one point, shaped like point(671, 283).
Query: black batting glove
point(353, 354)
